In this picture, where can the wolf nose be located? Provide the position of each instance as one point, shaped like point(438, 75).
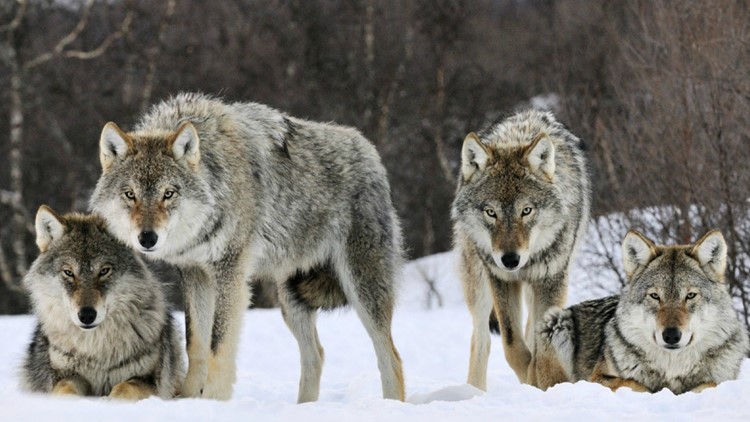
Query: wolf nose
point(671, 335)
point(510, 260)
point(148, 239)
point(87, 315)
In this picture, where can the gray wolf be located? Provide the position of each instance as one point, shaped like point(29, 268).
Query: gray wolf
point(104, 327)
point(672, 327)
point(234, 191)
point(521, 206)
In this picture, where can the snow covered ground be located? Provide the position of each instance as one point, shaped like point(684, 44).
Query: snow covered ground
point(434, 345)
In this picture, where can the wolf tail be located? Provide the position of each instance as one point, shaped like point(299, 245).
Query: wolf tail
point(557, 331)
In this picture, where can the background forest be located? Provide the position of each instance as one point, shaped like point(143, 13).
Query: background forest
point(658, 90)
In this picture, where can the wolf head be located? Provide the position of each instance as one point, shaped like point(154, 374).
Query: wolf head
point(676, 295)
point(82, 271)
point(507, 200)
point(150, 190)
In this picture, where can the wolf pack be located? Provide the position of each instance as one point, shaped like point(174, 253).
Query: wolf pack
point(232, 192)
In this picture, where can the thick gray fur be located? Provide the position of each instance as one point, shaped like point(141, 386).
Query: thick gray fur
point(303, 203)
point(616, 341)
point(135, 342)
point(499, 176)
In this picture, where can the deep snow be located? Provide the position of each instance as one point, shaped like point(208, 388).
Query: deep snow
point(434, 345)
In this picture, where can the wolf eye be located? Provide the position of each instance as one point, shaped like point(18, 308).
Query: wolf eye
point(130, 194)
point(490, 212)
point(654, 296)
point(168, 194)
point(68, 273)
point(526, 211)
point(104, 271)
point(691, 295)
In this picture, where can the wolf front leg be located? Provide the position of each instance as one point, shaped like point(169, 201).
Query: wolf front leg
point(479, 300)
point(507, 298)
point(703, 386)
point(232, 300)
point(199, 293)
point(604, 375)
point(545, 370)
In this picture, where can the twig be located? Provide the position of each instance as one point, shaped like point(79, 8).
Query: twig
point(432, 291)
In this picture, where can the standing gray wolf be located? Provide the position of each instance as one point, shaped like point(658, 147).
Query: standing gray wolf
point(521, 206)
point(229, 192)
point(104, 326)
point(673, 326)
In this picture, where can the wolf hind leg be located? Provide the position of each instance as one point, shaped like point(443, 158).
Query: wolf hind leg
point(479, 300)
point(301, 320)
point(199, 292)
point(368, 286)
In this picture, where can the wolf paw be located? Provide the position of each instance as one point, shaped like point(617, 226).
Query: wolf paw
point(131, 390)
point(192, 387)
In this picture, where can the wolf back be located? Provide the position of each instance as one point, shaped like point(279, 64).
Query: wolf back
point(104, 327)
point(229, 191)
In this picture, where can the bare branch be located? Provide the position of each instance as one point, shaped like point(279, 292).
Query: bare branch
point(12, 200)
point(432, 291)
point(73, 35)
point(6, 275)
point(98, 51)
point(154, 52)
point(59, 49)
point(18, 18)
point(438, 138)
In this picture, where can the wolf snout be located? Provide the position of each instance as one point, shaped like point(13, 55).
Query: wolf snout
point(87, 315)
point(148, 239)
point(510, 260)
point(671, 336)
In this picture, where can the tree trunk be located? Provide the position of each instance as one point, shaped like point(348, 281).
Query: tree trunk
point(15, 163)
point(439, 121)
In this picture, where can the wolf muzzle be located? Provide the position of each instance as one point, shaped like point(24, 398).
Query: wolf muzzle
point(148, 239)
point(510, 260)
point(87, 316)
point(671, 336)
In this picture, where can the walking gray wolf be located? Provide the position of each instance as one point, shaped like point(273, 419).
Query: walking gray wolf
point(521, 206)
point(229, 192)
point(104, 327)
point(672, 327)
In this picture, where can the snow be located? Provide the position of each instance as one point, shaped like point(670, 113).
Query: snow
point(434, 345)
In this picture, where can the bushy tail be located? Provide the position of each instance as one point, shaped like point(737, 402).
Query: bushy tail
point(557, 331)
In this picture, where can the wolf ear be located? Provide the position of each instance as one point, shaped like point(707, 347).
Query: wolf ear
point(186, 145)
point(49, 227)
point(637, 251)
point(114, 145)
point(540, 155)
point(711, 252)
point(474, 156)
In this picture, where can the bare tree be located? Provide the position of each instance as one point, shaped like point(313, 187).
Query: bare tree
point(18, 70)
